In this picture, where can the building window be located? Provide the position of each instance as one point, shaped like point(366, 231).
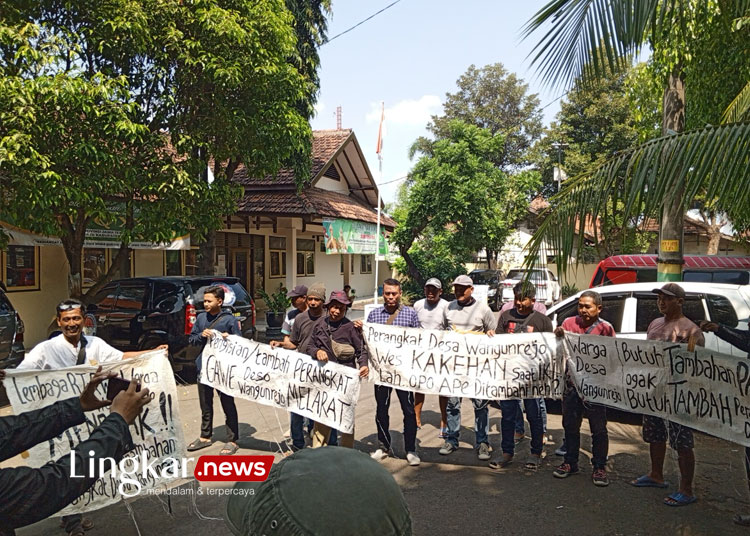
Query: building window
point(94, 262)
point(305, 257)
point(21, 267)
point(277, 250)
point(365, 264)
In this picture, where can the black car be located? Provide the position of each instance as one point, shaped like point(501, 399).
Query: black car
point(11, 333)
point(492, 278)
point(144, 312)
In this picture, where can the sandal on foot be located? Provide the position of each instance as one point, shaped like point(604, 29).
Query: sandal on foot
point(533, 463)
point(679, 499)
point(646, 481)
point(501, 462)
point(228, 449)
point(742, 520)
point(86, 523)
point(198, 444)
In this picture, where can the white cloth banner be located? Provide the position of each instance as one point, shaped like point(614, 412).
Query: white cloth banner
point(448, 363)
point(702, 389)
point(157, 432)
point(324, 392)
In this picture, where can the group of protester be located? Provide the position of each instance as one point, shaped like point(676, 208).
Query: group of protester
point(333, 337)
point(319, 327)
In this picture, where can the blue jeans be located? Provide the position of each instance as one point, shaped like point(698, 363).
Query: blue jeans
point(296, 430)
point(481, 421)
point(519, 417)
point(508, 424)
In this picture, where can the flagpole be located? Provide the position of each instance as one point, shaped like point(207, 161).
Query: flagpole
point(380, 180)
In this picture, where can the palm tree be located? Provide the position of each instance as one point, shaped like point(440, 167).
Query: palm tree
point(585, 39)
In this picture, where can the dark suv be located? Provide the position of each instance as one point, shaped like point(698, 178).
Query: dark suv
point(144, 312)
point(11, 333)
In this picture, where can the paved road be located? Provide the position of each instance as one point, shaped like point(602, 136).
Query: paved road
point(459, 494)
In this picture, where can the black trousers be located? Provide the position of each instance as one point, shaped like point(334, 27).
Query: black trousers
point(206, 400)
point(573, 409)
point(382, 420)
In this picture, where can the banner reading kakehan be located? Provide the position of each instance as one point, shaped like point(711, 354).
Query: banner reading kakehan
point(157, 458)
point(448, 363)
point(324, 392)
point(702, 389)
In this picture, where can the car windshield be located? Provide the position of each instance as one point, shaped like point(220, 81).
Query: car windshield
point(520, 274)
point(483, 278)
point(241, 297)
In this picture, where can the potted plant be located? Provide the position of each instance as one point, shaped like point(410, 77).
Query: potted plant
point(277, 304)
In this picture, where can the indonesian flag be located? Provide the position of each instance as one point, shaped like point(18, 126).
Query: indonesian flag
point(381, 132)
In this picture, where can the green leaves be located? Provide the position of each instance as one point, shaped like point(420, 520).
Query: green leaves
point(647, 176)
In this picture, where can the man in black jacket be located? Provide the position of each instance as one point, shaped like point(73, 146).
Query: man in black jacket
point(29, 495)
point(740, 339)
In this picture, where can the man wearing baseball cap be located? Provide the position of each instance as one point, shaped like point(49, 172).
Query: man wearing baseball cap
point(302, 326)
point(672, 327)
point(468, 315)
point(321, 491)
point(430, 313)
point(298, 295)
point(335, 338)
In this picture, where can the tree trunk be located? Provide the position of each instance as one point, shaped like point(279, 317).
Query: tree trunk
point(673, 212)
point(411, 267)
point(491, 259)
point(207, 254)
point(72, 241)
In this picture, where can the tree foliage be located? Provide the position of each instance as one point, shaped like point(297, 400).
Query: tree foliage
point(455, 192)
point(225, 82)
point(492, 98)
point(584, 38)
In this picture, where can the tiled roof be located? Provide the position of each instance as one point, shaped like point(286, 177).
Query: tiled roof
point(310, 201)
point(324, 146)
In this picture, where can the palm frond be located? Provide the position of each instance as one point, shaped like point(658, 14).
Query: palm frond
point(588, 38)
point(739, 108)
point(644, 178)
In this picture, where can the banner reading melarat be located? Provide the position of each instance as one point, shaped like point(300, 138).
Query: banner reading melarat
point(324, 392)
point(702, 389)
point(448, 363)
point(158, 456)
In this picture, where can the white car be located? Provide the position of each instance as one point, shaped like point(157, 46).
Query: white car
point(548, 290)
point(630, 308)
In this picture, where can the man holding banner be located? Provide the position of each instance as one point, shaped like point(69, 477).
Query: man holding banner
point(394, 314)
point(672, 327)
point(468, 315)
point(586, 323)
point(335, 338)
point(522, 319)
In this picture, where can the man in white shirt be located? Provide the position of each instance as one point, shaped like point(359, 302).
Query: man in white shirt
point(66, 350)
point(430, 311)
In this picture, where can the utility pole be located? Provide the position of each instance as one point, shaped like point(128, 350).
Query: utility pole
point(558, 176)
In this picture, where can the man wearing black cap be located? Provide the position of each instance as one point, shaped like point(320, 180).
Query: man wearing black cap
point(468, 315)
point(672, 327)
point(335, 338)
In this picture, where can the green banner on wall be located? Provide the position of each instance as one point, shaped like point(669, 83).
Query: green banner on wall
point(349, 236)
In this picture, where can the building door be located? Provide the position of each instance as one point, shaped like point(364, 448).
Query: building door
point(258, 256)
point(240, 266)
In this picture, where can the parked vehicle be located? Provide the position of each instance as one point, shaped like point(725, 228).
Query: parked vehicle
point(492, 279)
point(621, 269)
point(631, 308)
point(11, 333)
point(548, 289)
point(144, 312)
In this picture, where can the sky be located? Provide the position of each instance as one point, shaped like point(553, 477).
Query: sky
point(409, 57)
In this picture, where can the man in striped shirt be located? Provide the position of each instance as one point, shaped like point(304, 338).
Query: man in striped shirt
point(395, 314)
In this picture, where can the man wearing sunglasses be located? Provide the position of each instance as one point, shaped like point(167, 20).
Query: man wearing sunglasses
point(67, 350)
